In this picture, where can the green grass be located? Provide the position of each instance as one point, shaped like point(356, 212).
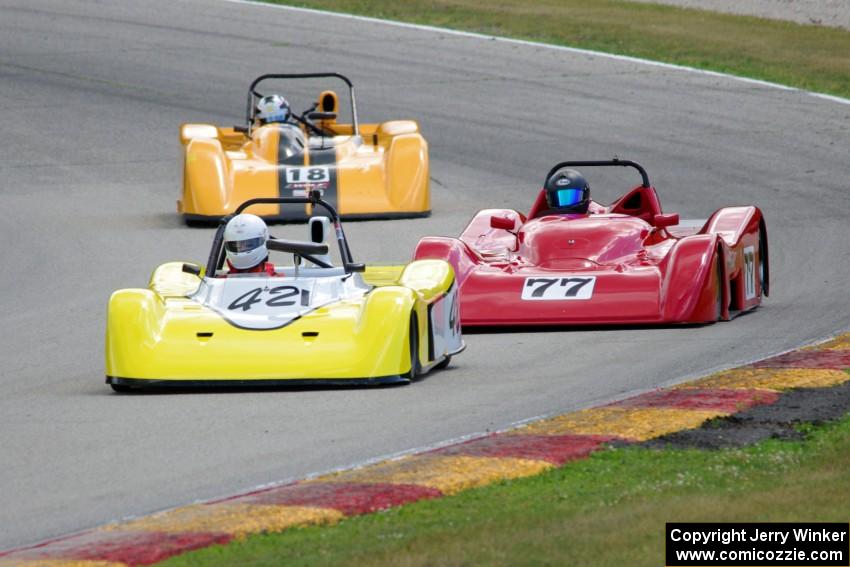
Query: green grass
point(806, 56)
point(609, 509)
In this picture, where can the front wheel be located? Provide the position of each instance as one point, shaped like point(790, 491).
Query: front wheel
point(443, 363)
point(415, 367)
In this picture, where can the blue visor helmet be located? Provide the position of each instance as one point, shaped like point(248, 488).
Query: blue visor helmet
point(567, 191)
point(568, 197)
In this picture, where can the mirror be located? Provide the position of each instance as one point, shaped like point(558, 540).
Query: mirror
point(504, 223)
point(665, 220)
point(193, 269)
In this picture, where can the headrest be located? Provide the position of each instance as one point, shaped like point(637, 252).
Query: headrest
point(328, 102)
point(320, 229)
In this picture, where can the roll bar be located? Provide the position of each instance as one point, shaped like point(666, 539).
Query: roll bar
point(217, 255)
point(613, 162)
point(253, 95)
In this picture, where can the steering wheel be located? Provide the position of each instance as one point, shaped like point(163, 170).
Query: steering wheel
point(309, 124)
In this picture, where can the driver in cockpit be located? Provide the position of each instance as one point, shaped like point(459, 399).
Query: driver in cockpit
point(245, 238)
point(274, 109)
point(567, 192)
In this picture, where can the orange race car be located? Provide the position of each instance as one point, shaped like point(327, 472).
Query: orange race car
point(366, 171)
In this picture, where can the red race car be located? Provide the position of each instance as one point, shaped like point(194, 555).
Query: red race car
point(572, 261)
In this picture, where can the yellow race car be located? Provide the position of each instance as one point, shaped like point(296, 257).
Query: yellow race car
point(365, 171)
point(321, 319)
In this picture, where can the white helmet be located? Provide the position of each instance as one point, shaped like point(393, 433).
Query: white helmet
point(245, 238)
point(272, 108)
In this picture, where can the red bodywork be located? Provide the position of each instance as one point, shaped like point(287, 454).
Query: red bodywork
point(626, 263)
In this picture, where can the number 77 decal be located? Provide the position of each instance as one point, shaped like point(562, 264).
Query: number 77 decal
point(558, 288)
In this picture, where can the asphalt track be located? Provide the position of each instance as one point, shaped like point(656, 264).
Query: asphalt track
point(91, 95)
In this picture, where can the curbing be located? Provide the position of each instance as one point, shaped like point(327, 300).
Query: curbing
point(524, 451)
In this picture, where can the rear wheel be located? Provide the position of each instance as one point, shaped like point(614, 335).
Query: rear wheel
point(764, 266)
point(443, 363)
point(415, 367)
point(718, 278)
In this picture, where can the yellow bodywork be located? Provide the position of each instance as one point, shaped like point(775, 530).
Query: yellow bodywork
point(159, 334)
point(383, 173)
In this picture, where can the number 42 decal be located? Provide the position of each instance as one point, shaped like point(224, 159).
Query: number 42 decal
point(280, 297)
point(558, 288)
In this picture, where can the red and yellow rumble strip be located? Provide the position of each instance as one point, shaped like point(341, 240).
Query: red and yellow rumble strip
point(521, 452)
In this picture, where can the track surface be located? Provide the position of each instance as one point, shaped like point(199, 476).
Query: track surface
point(91, 96)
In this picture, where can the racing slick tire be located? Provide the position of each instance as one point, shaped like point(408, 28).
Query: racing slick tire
point(764, 263)
point(443, 363)
point(415, 367)
point(718, 277)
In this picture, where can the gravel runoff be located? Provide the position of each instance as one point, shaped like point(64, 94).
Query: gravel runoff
point(834, 13)
point(774, 421)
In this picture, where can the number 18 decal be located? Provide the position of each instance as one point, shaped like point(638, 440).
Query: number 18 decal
point(558, 288)
point(307, 175)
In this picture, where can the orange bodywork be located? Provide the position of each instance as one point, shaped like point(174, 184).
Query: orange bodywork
point(382, 173)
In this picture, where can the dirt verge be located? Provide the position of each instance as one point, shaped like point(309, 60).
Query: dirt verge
point(779, 420)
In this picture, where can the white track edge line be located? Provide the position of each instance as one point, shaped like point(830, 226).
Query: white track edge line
point(528, 43)
point(514, 425)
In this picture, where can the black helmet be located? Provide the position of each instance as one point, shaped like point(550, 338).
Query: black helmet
point(567, 191)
